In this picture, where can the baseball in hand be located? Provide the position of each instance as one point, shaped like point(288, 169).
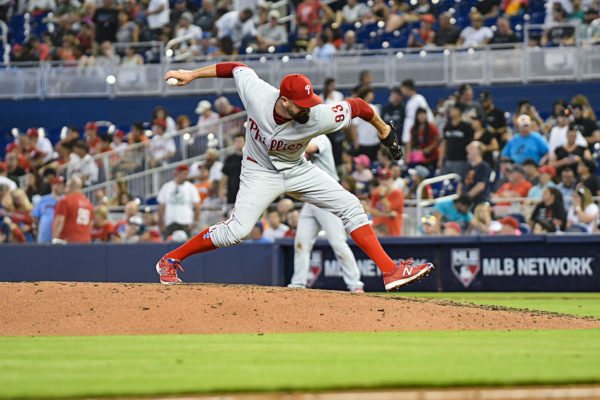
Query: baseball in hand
point(172, 81)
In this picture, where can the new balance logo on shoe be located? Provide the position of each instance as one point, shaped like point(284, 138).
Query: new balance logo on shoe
point(408, 271)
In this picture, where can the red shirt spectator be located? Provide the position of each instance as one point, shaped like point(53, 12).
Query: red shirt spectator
point(517, 186)
point(308, 12)
point(387, 204)
point(102, 229)
point(73, 215)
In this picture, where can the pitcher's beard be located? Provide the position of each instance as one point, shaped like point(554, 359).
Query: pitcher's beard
point(301, 117)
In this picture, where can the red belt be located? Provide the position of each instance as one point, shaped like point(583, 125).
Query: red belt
point(251, 159)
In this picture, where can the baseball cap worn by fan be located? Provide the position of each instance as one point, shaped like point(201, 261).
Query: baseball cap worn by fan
point(384, 173)
point(362, 159)
point(160, 122)
point(202, 106)
point(32, 132)
point(299, 90)
point(510, 221)
point(182, 167)
point(91, 126)
point(58, 179)
point(547, 169)
point(524, 120)
point(453, 225)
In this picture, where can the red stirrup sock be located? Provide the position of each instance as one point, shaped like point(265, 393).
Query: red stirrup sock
point(200, 243)
point(365, 239)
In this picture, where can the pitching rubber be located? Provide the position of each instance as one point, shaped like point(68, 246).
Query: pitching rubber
point(390, 287)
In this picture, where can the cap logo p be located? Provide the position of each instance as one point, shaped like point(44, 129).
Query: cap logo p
point(307, 88)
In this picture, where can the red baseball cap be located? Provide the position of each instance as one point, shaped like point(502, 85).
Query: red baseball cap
point(428, 18)
point(160, 122)
point(548, 169)
point(299, 90)
point(91, 126)
point(453, 225)
point(32, 132)
point(58, 179)
point(511, 221)
point(119, 133)
point(11, 146)
point(182, 167)
point(384, 173)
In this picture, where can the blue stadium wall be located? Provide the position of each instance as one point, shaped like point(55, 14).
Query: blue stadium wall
point(528, 263)
point(54, 113)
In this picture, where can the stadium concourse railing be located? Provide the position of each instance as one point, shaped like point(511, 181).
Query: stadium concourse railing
point(428, 67)
point(134, 168)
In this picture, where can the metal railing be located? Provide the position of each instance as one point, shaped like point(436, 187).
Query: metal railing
point(420, 203)
point(428, 67)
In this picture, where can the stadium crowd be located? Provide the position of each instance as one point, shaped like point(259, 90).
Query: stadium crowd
point(519, 172)
point(83, 32)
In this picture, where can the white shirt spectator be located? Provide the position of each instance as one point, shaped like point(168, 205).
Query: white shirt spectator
point(82, 167)
point(231, 25)
point(215, 171)
point(591, 209)
point(324, 53)
point(194, 30)
point(179, 202)
point(156, 21)
point(44, 145)
point(356, 13)
point(412, 105)
point(161, 147)
point(278, 233)
point(558, 137)
point(207, 125)
point(475, 37)
point(366, 133)
point(275, 34)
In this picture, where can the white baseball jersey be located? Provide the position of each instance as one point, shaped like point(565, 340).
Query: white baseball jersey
point(280, 147)
point(324, 158)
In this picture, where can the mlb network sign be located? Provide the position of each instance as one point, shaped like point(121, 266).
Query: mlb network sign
point(467, 265)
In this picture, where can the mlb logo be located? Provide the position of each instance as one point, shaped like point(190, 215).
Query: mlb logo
point(465, 264)
point(315, 267)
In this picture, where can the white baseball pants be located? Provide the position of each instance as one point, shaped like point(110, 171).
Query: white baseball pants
point(312, 219)
point(259, 187)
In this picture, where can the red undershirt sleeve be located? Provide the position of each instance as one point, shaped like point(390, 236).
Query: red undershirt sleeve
point(361, 109)
point(225, 70)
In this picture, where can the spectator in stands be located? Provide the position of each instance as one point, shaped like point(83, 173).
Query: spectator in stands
point(91, 136)
point(509, 226)
point(583, 213)
point(160, 112)
point(323, 50)
point(149, 219)
point(416, 175)
point(157, 16)
point(394, 110)
point(238, 25)
point(43, 211)
point(456, 210)
point(503, 34)
point(586, 126)
point(73, 216)
point(42, 144)
point(547, 173)
point(586, 169)
point(118, 141)
point(178, 204)
point(284, 206)
point(19, 209)
point(570, 153)
point(186, 28)
point(350, 43)
point(481, 134)
point(423, 147)
point(212, 208)
point(207, 47)
point(550, 209)
point(428, 225)
point(272, 33)
point(302, 39)
point(381, 12)
point(447, 34)
point(494, 118)
point(481, 222)
point(451, 228)
point(131, 210)
point(524, 107)
point(476, 182)
point(364, 135)
point(514, 7)
point(232, 169)
point(102, 229)
point(206, 117)
point(456, 136)
point(424, 36)
point(588, 110)
point(105, 143)
point(517, 186)
point(131, 58)
point(362, 173)
point(542, 228)
point(414, 101)
point(387, 204)
point(527, 144)
point(292, 218)
point(200, 176)
point(277, 229)
point(476, 34)
point(470, 109)
point(558, 34)
point(531, 171)
point(567, 185)
point(129, 31)
point(205, 16)
point(256, 235)
point(353, 11)
point(5, 181)
point(13, 170)
point(313, 13)
point(162, 147)
point(82, 164)
point(106, 22)
point(137, 133)
point(365, 77)
point(558, 134)
point(10, 232)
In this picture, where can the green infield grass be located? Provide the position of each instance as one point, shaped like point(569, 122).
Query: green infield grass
point(35, 367)
point(585, 304)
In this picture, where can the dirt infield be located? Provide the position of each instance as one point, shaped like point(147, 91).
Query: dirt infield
point(68, 308)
